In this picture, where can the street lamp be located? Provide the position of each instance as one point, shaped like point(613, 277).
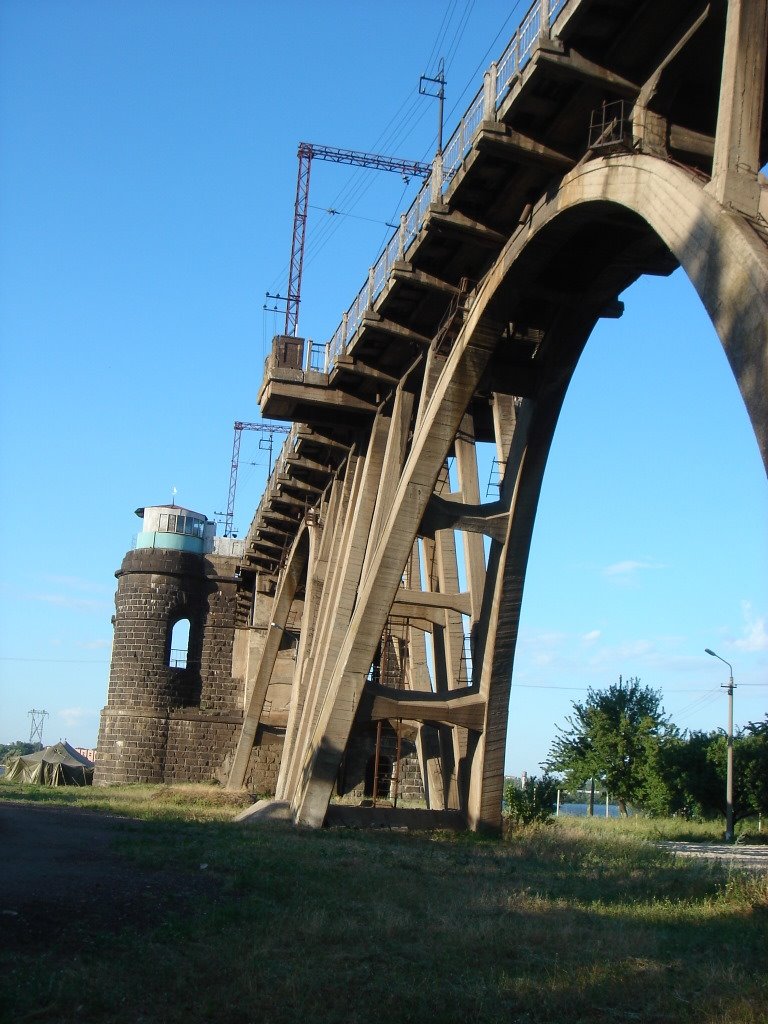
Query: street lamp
point(729, 766)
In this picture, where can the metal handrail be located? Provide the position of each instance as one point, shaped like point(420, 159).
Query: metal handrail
point(512, 61)
point(503, 73)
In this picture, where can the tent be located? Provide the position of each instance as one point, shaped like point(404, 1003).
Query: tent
point(58, 765)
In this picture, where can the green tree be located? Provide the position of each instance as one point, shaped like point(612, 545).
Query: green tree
point(615, 736)
point(18, 747)
point(751, 775)
point(694, 766)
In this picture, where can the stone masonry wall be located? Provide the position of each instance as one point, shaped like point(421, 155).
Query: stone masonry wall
point(131, 747)
point(264, 763)
point(359, 757)
point(220, 690)
point(155, 589)
point(161, 723)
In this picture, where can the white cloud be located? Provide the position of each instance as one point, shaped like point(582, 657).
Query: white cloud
point(754, 635)
point(591, 637)
point(95, 645)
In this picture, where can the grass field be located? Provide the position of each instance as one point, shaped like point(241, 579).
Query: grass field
point(569, 922)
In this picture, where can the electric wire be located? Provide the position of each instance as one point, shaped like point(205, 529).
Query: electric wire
point(440, 37)
point(400, 127)
point(356, 187)
point(458, 35)
point(340, 213)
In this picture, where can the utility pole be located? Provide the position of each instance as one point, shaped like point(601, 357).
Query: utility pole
point(270, 429)
point(729, 764)
point(36, 725)
point(308, 152)
point(439, 81)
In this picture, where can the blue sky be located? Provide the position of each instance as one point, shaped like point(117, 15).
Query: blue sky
point(147, 180)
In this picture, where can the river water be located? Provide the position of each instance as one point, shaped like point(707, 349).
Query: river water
point(580, 810)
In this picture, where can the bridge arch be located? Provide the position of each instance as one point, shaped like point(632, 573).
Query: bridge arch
point(721, 253)
point(727, 263)
point(651, 200)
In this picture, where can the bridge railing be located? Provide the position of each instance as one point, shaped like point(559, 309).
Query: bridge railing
point(499, 77)
point(502, 73)
point(460, 142)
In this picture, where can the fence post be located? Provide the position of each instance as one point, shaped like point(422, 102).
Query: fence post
point(489, 93)
point(369, 302)
point(401, 238)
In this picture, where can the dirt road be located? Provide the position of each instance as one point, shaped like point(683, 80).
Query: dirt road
point(62, 874)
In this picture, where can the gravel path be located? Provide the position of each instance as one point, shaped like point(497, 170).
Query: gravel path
point(753, 858)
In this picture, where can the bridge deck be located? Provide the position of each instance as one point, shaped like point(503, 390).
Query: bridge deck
point(539, 128)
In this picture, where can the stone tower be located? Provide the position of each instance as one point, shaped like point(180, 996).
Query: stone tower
point(174, 707)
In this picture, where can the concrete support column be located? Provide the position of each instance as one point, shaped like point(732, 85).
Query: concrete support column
point(501, 608)
point(321, 538)
point(469, 484)
point(462, 372)
point(342, 593)
point(333, 584)
point(394, 457)
point(286, 591)
point(504, 420)
point(427, 739)
point(742, 85)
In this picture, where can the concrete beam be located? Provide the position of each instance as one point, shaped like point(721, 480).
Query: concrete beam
point(420, 279)
point(423, 601)
point(521, 149)
point(456, 709)
point(739, 118)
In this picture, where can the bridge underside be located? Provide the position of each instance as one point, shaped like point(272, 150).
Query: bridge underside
point(373, 533)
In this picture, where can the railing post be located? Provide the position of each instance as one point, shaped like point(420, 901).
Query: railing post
point(437, 178)
point(401, 237)
point(544, 18)
point(489, 92)
point(327, 357)
point(344, 327)
point(369, 302)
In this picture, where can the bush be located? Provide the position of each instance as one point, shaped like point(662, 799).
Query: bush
point(529, 801)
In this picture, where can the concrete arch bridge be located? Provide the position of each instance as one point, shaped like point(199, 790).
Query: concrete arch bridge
point(612, 139)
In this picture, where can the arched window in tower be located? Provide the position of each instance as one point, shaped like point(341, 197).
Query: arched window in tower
point(179, 648)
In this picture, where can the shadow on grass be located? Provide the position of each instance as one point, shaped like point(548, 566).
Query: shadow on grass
point(358, 926)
